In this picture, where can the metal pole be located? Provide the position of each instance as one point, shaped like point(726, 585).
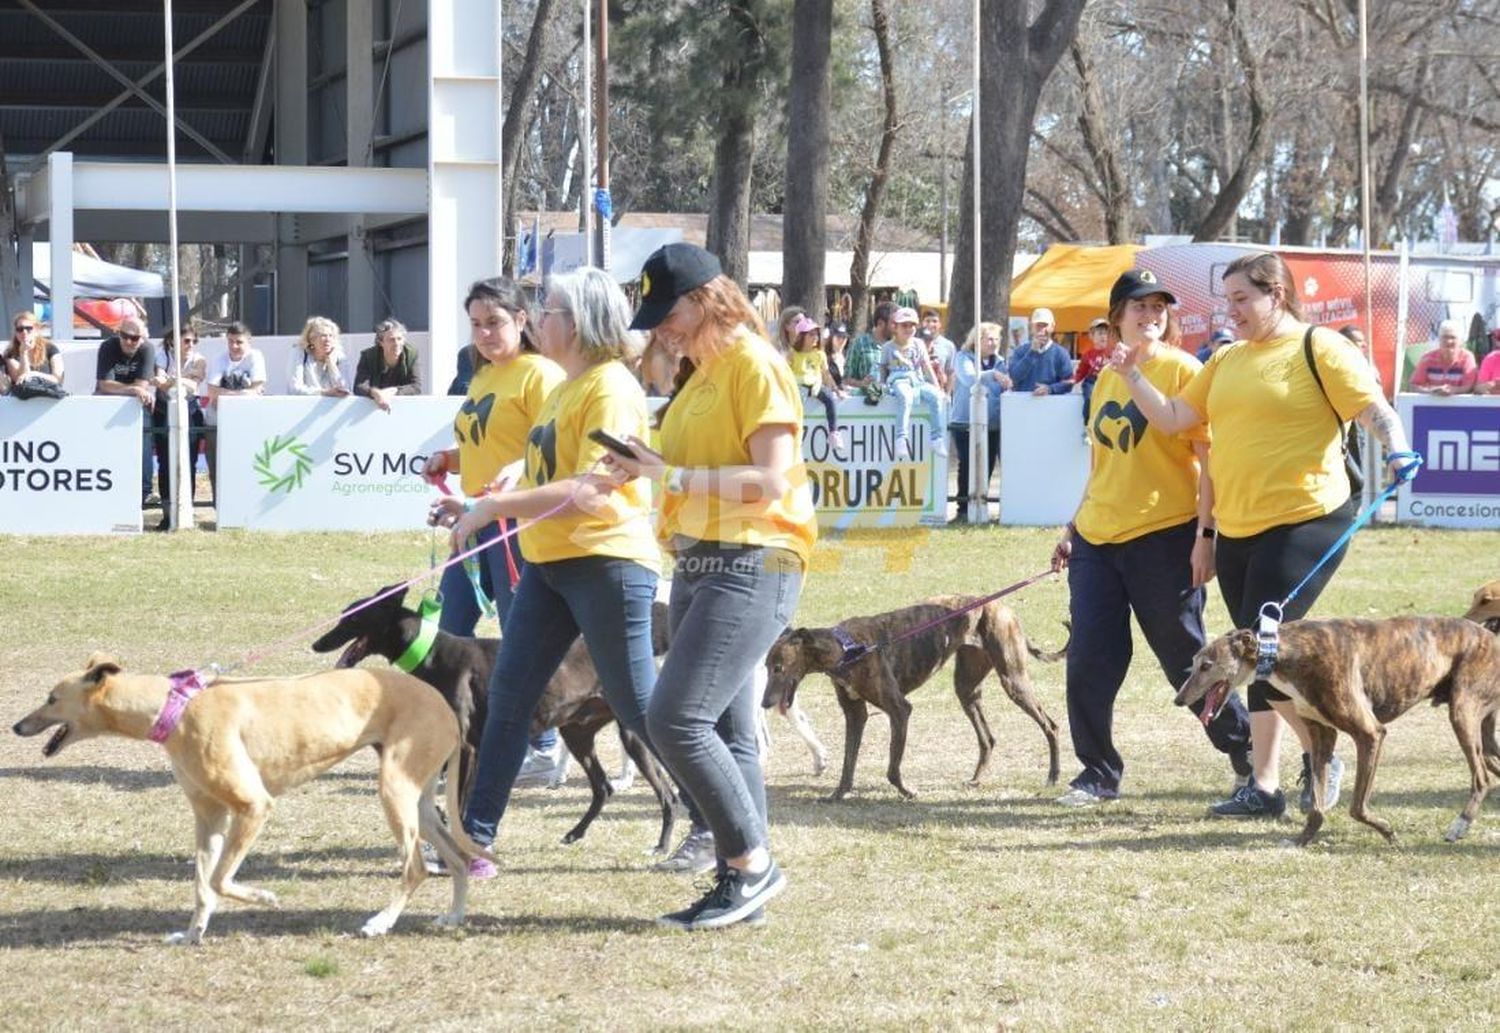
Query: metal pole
point(979, 507)
point(499, 136)
point(601, 129)
point(180, 506)
point(585, 137)
point(1368, 443)
point(943, 192)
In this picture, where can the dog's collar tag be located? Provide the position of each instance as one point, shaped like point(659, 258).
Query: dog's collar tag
point(184, 686)
point(415, 653)
point(1268, 640)
point(853, 651)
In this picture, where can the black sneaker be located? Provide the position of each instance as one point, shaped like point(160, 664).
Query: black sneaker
point(736, 896)
point(1330, 791)
point(1250, 801)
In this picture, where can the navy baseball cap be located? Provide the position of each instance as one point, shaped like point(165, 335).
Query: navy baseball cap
point(668, 274)
point(1138, 283)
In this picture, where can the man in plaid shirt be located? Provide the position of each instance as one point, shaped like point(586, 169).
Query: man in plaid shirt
point(862, 363)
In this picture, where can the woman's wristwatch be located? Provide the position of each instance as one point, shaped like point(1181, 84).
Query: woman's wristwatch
point(1208, 532)
point(671, 480)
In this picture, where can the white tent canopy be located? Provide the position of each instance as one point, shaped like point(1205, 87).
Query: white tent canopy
point(96, 278)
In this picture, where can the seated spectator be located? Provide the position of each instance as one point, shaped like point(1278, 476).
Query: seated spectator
point(835, 342)
point(1090, 363)
point(810, 369)
point(1217, 340)
point(184, 367)
point(240, 371)
point(786, 329)
point(909, 377)
point(465, 373)
point(1488, 382)
point(388, 367)
point(939, 348)
point(30, 356)
point(1449, 369)
point(317, 361)
point(1041, 366)
point(127, 366)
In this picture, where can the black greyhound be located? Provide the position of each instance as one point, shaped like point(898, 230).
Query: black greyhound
point(459, 668)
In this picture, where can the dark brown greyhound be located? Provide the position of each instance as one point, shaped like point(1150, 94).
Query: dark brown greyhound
point(984, 639)
point(1357, 676)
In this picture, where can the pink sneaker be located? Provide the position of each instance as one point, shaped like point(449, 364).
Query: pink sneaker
point(482, 868)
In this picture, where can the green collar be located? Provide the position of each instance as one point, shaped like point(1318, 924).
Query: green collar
point(410, 660)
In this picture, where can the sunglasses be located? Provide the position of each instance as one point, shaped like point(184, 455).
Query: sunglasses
point(25, 329)
point(129, 337)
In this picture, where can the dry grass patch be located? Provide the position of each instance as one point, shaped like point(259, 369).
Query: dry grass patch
point(970, 908)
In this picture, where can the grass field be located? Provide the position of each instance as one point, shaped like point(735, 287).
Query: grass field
point(969, 908)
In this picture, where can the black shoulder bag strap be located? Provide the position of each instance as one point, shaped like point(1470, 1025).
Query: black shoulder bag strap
point(1356, 476)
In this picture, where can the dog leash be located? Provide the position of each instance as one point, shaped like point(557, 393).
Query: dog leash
point(856, 651)
point(1268, 629)
point(512, 571)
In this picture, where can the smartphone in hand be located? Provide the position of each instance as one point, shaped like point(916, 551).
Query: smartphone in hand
point(614, 444)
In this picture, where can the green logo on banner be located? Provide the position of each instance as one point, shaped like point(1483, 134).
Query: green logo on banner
point(282, 464)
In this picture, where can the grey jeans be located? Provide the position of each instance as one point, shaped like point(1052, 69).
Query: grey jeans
point(729, 603)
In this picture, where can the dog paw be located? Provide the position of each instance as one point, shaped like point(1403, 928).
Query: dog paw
point(376, 926)
point(1457, 830)
point(449, 920)
point(185, 938)
point(265, 897)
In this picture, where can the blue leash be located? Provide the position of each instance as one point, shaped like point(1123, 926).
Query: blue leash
point(1268, 634)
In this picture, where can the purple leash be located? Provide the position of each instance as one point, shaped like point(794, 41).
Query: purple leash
point(855, 651)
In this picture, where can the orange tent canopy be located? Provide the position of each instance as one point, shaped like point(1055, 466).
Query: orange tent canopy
point(1073, 280)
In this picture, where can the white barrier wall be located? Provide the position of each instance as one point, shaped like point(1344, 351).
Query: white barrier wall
point(1459, 439)
point(866, 485)
point(302, 464)
point(1044, 458)
point(70, 466)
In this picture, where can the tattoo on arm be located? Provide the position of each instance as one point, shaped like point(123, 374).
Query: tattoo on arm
point(1381, 420)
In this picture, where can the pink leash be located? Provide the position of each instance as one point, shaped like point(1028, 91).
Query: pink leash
point(511, 570)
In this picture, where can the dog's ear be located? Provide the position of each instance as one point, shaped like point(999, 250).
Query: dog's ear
point(100, 666)
point(1243, 645)
point(396, 599)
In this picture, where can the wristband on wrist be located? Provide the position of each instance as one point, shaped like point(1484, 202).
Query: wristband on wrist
point(1210, 533)
point(671, 479)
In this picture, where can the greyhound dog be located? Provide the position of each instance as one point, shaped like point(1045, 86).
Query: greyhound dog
point(241, 743)
point(1357, 676)
point(1485, 606)
point(459, 668)
point(981, 640)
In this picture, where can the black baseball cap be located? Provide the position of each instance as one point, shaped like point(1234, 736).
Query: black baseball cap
point(839, 329)
point(670, 272)
point(1138, 283)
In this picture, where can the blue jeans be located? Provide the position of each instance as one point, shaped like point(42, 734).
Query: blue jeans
point(908, 389)
point(1152, 577)
point(729, 603)
point(609, 601)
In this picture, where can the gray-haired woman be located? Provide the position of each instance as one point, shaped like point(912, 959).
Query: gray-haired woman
point(592, 564)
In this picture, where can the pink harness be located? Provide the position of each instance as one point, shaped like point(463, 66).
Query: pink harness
point(185, 685)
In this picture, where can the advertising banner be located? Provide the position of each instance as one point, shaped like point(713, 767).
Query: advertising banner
point(329, 464)
point(1044, 459)
point(865, 484)
point(70, 466)
point(1459, 483)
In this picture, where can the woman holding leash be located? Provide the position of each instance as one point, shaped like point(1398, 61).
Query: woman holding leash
point(737, 515)
point(1141, 542)
point(591, 564)
point(1275, 402)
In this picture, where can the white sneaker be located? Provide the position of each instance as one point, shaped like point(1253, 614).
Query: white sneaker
point(840, 441)
point(903, 448)
point(1079, 797)
point(544, 768)
point(939, 445)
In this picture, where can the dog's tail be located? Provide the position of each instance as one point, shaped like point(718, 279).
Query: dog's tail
point(1056, 655)
point(455, 814)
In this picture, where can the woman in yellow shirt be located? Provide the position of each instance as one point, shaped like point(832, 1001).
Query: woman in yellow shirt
point(1141, 542)
point(1282, 496)
point(510, 383)
point(591, 560)
point(737, 515)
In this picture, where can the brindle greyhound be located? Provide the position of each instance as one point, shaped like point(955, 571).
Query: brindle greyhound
point(1357, 676)
point(983, 639)
point(1485, 606)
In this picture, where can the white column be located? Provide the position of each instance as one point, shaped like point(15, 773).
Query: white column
point(465, 236)
point(291, 149)
point(60, 232)
point(359, 82)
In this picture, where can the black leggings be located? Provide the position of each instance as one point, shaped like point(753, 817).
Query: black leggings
point(823, 395)
point(1264, 567)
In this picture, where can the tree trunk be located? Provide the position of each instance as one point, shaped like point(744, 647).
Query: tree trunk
point(1383, 209)
point(805, 206)
point(1093, 127)
point(1015, 61)
point(859, 266)
point(518, 113)
point(728, 233)
point(1221, 214)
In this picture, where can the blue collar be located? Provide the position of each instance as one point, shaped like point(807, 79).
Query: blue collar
point(853, 651)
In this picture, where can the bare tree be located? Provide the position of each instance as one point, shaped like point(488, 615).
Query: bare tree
point(804, 217)
point(859, 266)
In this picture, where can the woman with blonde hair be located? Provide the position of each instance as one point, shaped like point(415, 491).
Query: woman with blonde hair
point(979, 360)
point(592, 563)
point(316, 365)
point(737, 515)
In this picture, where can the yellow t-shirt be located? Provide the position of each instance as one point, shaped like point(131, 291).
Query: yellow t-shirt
point(1142, 480)
point(809, 366)
point(504, 401)
point(709, 424)
point(604, 396)
point(1277, 457)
